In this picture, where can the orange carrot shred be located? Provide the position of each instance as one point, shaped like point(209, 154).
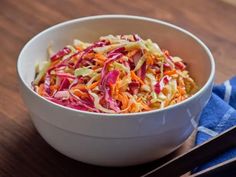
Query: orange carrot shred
point(136, 78)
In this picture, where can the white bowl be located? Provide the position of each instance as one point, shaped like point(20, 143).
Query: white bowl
point(117, 139)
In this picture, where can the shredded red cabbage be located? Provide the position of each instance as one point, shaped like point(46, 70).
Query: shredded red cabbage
point(90, 49)
point(61, 53)
point(160, 85)
point(180, 65)
point(136, 37)
point(47, 84)
point(143, 70)
point(112, 57)
point(134, 87)
point(110, 79)
point(65, 83)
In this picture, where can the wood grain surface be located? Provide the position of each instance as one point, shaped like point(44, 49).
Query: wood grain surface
point(23, 153)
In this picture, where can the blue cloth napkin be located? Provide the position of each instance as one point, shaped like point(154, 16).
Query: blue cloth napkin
point(218, 116)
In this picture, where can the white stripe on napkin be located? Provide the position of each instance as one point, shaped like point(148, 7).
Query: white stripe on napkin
point(207, 131)
point(224, 119)
point(228, 89)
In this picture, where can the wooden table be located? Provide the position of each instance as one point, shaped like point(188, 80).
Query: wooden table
point(23, 153)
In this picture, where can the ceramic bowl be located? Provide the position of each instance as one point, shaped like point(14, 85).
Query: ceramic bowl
point(116, 139)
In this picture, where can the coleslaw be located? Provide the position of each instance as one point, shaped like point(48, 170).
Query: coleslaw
point(116, 74)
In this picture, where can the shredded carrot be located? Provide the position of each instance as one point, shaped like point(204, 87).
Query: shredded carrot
point(116, 88)
point(54, 63)
point(181, 82)
point(93, 85)
point(78, 48)
point(100, 57)
point(166, 103)
point(145, 106)
point(166, 52)
point(41, 89)
point(54, 87)
point(170, 72)
point(100, 62)
point(181, 90)
point(165, 91)
point(132, 53)
point(79, 93)
point(150, 60)
point(80, 87)
point(136, 78)
point(179, 99)
point(132, 108)
point(152, 71)
point(124, 100)
point(89, 56)
point(139, 99)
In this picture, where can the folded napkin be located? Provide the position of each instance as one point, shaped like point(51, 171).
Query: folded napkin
point(218, 116)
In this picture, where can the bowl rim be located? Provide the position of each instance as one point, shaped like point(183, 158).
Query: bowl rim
point(120, 16)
